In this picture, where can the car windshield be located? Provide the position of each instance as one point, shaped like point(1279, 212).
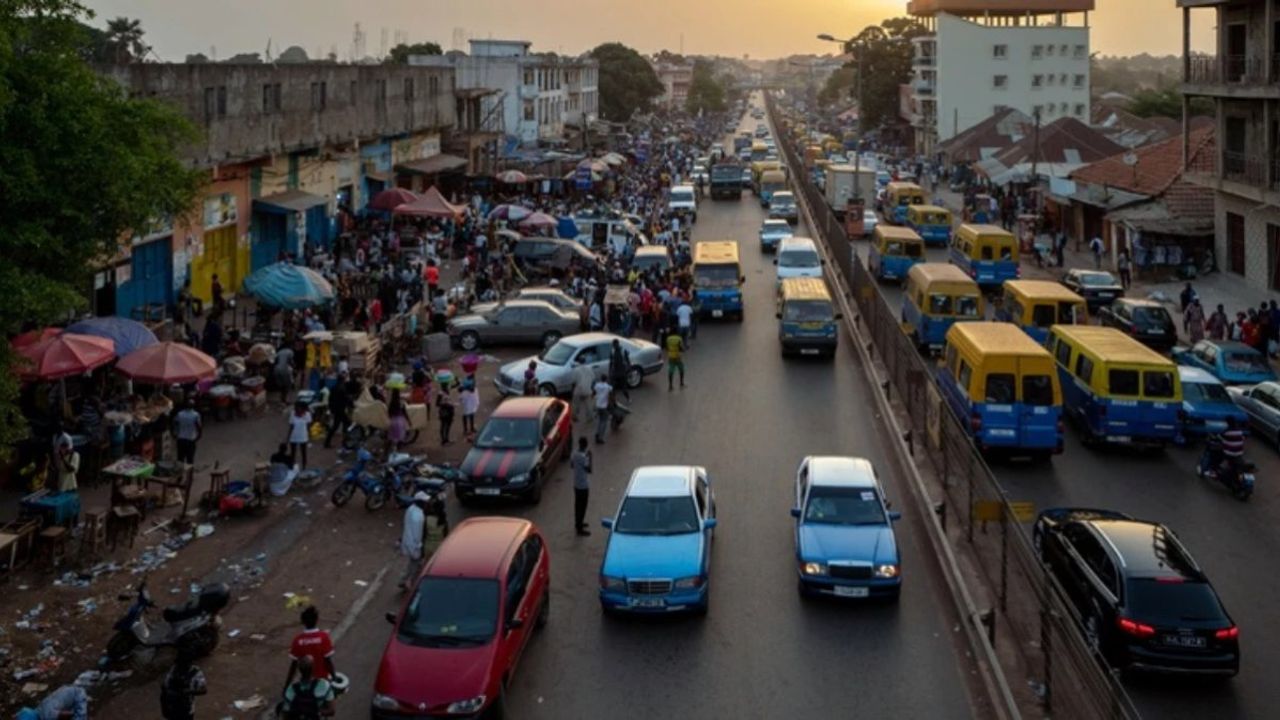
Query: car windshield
point(778, 226)
point(807, 311)
point(715, 275)
point(681, 196)
point(1097, 279)
point(1173, 603)
point(657, 516)
point(557, 354)
point(843, 506)
point(509, 433)
point(1205, 392)
point(1245, 362)
point(798, 259)
point(450, 612)
point(1151, 317)
point(897, 248)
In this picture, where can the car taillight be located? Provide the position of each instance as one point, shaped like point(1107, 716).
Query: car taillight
point(1135, 629)
point(975, 423)
point(1230, 633)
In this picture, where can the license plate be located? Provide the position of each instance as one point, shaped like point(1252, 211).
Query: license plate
point(1119, 438)
point(1155, 332)
point(717, 313)
point(1187, 641)
point(808, 351)
point(844, 591)
point(1106, 295)
point(487, 491)
point(647, 602)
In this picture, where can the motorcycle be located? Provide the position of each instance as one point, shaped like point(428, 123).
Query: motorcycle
point(357, 478)
point(339, 683)
point(1238, 477)
point(194, 625)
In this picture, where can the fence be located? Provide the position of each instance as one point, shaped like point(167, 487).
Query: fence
point(1043, 630)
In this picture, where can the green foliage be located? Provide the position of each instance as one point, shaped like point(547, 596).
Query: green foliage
point(1166, 102)
point(399, 54)
point(705, 92)
point(627, 82)
point(886, 64)
point(123, 41)
point(80, 165)
point(839, 86)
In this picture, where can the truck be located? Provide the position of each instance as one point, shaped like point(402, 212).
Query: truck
point(845, 181)
point(726, 181)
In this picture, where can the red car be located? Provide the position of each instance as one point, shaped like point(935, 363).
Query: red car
point(460, 635)
point(517, 449)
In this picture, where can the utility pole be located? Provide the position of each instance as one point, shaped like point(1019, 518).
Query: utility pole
point(1035, 159)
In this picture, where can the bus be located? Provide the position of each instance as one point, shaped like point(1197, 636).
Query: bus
point(893, 251)
point(986, 253)
point(898, 197)
point(807, 319)
point(1037, 305)
point(937, 296)
point(759, 151)
point(718, 278)
point(931, 223)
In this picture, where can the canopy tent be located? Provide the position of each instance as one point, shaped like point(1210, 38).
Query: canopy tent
point(613, 158)
point(433, 165)
point(32, 337)
point(168, 363)
point(431, 204)
point(538, 220)
point(65, 355)
point(512, 177)
point(128, 335)
point(597, 166)
point(509, 212)
point(392, 199)
point(288, 286)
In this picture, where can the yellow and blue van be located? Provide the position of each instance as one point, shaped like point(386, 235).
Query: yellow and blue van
point(1037, 305)
point(807, 317)
point(771, 181)
point(937, 296)
point(1004, 389)
point(986, 253)
point(718, 278)
point(898, 197)
point(931, 223)
point(759, 151)
point(1117, 389)
point(893, 251)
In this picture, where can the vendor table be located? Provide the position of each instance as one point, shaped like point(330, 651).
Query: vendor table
point(134, 472)
point(53, 508)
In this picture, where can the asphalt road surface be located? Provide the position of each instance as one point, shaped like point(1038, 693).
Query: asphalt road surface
point(762, 652)
point(1235, 543)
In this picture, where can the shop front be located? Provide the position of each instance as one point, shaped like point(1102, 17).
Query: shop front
point(219, 251)
point(283, 222)
point(144, 281)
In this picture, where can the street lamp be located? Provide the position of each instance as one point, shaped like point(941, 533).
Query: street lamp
point(859, 41)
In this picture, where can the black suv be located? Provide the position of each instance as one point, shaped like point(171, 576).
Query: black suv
point(1097, 287)
point(1143, 602)
point(1146, 321)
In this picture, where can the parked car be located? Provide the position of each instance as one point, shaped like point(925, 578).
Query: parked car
point(652, 256)
point(782, 206)
point(658, 556)
point(1097, 287)
point(1147, 321)
point(554, 367)
point(773, 232)
point(1206, 404)
point(869, 221)
point(682, 202)
point(553, 295)
point(845, 544)
point(516, 321)
point(517, 449)
point(465, 622)
point(540, 255)
point(1262, 404)
point(1234, 363)
point(699, 176)
point(746, 171)
point(1143, 602)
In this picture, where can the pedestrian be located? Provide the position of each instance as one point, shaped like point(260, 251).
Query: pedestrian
point(67, 465)
point(684, 320)
point(1193, 321)
point(415, 527)
point(215, 289)
point(283, 371)
point(309, 698)
point(1186, 296)
point(619, 368)
point(603, 392)
point(432, 277)
point(1125, 267)
point(675, 357)
point(444, 410)
point(1096, 247)
point(584, 378)
point(340, 404)
point(69, 702)
point(312, 643)
point(180, 686)
point(580, 461)
point(299, 434)
point(470, 399)
point(1218, 324)
point(398, 424)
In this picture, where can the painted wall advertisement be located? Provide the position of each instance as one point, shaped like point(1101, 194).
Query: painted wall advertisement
point(220, 210)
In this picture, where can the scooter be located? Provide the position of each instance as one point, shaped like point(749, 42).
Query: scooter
point(193, 625)
point(339, 683)
point(356, 478)
point(398, 481)
point(1237, 477)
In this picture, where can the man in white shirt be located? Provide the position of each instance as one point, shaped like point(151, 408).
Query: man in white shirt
point(584, 377)
point(684, 316)
point(415, 525)
point(603, 393)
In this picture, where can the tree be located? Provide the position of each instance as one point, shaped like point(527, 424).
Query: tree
point(838, 86)
point(886, 56)
point(252, 58)
point(627, 82)
point(399, 54)
point(197, 59)
point(1166, 102)
point(705, 92)
point(124, 39)
point(81, 164)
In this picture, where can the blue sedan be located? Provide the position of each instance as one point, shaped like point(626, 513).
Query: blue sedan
point(658, 558)
point(1234, 363)
point(845, 544)
point(1206, 404)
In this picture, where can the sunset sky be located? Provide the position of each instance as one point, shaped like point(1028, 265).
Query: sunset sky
point(760, 28)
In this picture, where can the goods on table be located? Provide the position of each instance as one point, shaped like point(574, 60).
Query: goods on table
point(361, 350)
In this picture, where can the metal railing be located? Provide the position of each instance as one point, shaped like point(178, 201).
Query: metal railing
point(1247, 168)
point(1045, 638)
point(1229, 69)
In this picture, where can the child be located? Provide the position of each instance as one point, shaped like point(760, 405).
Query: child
point(444, 405)
point(470, 404)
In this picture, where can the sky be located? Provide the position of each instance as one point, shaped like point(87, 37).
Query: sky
point(758, 28)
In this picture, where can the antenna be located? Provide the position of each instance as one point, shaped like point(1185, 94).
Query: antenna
point(267, 54)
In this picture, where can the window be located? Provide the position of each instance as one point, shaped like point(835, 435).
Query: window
point(1037, 390)
point(1038, 110)
point(408, 90)
point(268, 105)
point(1000, 82)
point(222, 101)
point(1063, 50)
point(1084, 369)
point(1157, 384)
point(318, 92)
point(1002, 388)
point(1079, 110)
point(528, 77)
point(1123, 382)
point(1037, 51)
point(1080, 52)
point(1062, 109)
point(1044, 316)
point(1050, 80)
point(1063, 354)
point(1062, 79)
point(1078, 81)
point(966, 375)
point(1037, 81)
point(210, 103)
point(528, 110)
point(1273, 256)
point(1049, 51)
point(1235, 243)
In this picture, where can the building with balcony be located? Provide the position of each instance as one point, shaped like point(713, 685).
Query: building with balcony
point(983, 55)
point(1242, 78)
point(676, 79)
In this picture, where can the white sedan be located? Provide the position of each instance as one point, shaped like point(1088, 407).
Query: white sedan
point(869, 221)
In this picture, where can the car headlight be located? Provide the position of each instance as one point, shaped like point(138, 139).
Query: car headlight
point(385, 702)
point(520, 479)
point(689, 583)
point(612, 583)
point(813, 568)
point(466, 707)
point(886, 571)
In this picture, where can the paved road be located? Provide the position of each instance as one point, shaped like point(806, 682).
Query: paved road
point(761, 653)
point(1235, 543)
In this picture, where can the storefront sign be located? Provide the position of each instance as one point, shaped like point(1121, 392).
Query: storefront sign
point(220, 210)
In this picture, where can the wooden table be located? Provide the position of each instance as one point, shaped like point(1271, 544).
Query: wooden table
point(129, 476)
point(9, 541)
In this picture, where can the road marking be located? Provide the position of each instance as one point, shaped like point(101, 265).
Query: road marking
point(360, 604)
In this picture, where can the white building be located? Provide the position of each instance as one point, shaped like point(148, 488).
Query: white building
point(538, 93)
point(1030, 55)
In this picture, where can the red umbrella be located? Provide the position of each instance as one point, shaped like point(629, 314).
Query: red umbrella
point(167, 363)
point(538, 220)
point(65, 355)
point(34, 336)
point(391, 199)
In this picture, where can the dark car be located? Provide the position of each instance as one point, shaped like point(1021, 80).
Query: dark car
point(517, 450)
point(1143, 603)
point(540, 256)
point(1146, 321)
point(1097, 287)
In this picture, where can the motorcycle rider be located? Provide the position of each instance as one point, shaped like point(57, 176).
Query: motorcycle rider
point(180, 686)
point(1225, 451)
point(309, 698)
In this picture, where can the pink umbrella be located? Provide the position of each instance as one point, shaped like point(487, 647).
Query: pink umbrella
point(168, 363)
point(538, 220)
point(65, 355)
point(34, 336)
point(513, 177)
point(509, 212)
point(391, 199)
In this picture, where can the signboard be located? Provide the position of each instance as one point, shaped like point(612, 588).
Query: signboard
point(220, 210)
point(991, 511)
point(582, 178)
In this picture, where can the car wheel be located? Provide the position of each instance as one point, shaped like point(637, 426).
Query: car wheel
point(635, 376)
point(469, 340)
point(545, 611)
point(805, 592)
point(547, 390)
point(549, 338)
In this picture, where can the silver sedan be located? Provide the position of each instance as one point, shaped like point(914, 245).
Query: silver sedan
point(1262, 404)
point(513, 322)
point(554, 367)
point(553, 295)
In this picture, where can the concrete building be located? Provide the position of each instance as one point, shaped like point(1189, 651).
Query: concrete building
point(537, 93)
point(286, 146)
point(676, 79)
point(1242, 78)
point(983, 55)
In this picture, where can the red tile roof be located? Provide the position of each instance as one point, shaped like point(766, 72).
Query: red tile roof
point(1158, 166)
point(1065, 140)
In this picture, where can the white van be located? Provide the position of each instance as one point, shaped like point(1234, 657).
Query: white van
point(798, 257)
point(681, 200)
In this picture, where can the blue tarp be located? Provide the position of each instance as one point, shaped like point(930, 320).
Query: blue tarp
point(127, 334)
point(567, 228)
point(288, 286)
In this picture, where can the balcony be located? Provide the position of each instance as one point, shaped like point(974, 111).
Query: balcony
point(927, 61)
point(1233, 76)
point(1248, 174)
point(923, 87)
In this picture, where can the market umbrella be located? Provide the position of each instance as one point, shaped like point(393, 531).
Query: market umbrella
point(509, 212)
point(289, 287)
point(168, 363)
point(597, 166)
point(431, 204)
point(391, 199)
point(595, 176)
point(32, 337)
point(512, 177)
point(509, 235)
point(538, 220)
point(65, 355)
point(127, 334)
point(613, 158)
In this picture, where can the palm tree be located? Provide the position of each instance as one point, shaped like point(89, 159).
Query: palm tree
point(125, 38)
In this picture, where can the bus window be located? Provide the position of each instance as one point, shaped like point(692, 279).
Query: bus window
point(1044, 316)
point(1156, 384)
point(939, 304)
point(986, 252)
point(967, 306)
point(893, 248)
point(1063, 354)
point(964, 376)
point(1084, 369)
point(1123, 382)
point(1067, 314)
point(1037, 390)
point(914, 250)
point(1006, 253)
point(1001, 388)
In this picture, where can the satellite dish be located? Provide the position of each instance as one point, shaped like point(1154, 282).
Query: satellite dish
point(1130, 159)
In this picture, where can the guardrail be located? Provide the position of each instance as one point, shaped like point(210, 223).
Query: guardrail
point(1069, 679)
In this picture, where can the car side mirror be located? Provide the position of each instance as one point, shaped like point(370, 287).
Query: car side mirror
point(607, 523)
point(795, 512)
point(708, 524)
point(391, 618)
point(894, 516)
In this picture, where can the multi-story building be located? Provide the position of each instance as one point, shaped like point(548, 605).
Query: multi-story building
point(1242, 78)
point(982, 55)
point(676, 79)
point(533, 90)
